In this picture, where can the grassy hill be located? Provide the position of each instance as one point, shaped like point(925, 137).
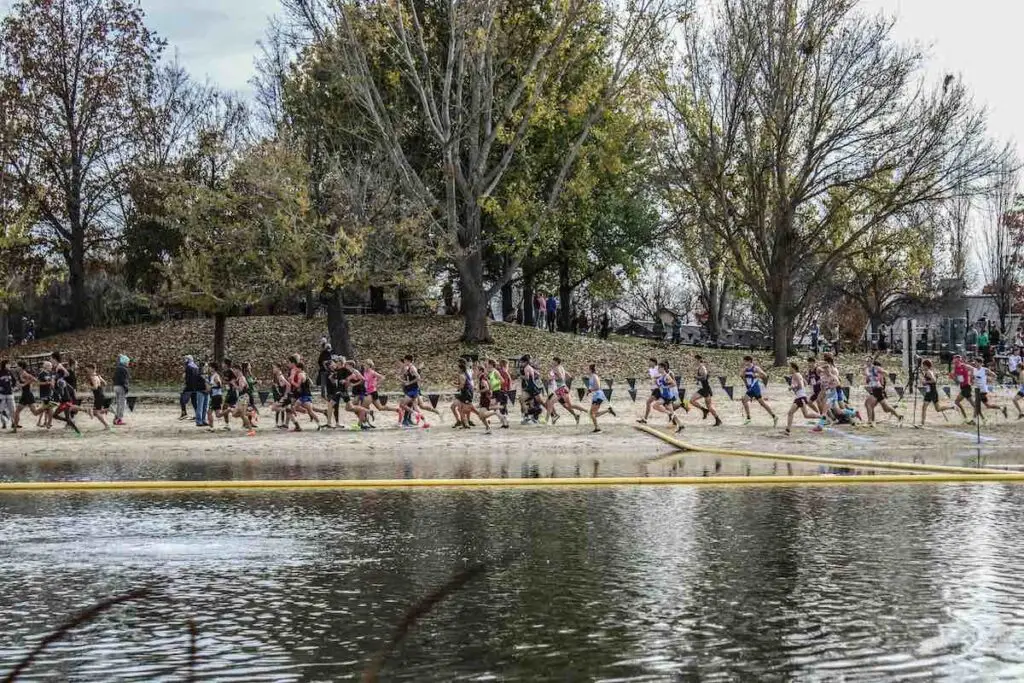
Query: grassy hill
point(157, 350)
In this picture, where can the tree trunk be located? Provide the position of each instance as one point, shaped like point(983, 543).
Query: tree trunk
point(403, 300)
point(220, 321)
point(378, 304)
point(780, 334)
point(337, 323)
point(76, 283)
point(474, 299)
point(310, 304)
point(508, 304)
point(5, 327)
point(564, 297)
point(528, 281)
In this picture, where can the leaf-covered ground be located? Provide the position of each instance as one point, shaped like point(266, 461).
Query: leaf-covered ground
point(157, 350)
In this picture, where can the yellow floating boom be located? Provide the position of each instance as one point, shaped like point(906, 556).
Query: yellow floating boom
point(816, 460)
point(328, 484)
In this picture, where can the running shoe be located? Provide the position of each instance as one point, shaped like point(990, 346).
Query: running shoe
point(526, 420)
point(746, 422)
point(612, 411)
point(251, 432)
point(643, 421)
point(575, 415)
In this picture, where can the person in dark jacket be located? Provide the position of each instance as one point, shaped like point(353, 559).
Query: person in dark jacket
point(122, 380)
point(195, 391)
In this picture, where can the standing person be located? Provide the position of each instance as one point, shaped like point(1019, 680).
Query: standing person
point(704, 393)
point(929, 382)
point(540, 308)
point(196, 391)
point(597, 397)
point(606, 325)
point(984, 349)
point(99, 402)
point(323, 362)
point(552, 313)
point(122, 380)
point(753, 377)
point(6, 395)
point(583, 324)
point(800, 403)
point(815, 335)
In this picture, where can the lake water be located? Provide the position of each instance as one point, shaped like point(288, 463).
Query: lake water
point(616, 584)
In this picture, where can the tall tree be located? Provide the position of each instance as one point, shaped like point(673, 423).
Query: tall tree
point(787, 111)
point(73, 77)
point(1001, 248)
point(481, 74)
point(243, 239)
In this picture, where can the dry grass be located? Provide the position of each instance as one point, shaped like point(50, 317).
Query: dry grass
point(157, 350)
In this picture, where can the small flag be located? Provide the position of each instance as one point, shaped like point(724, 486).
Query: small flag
point(512, 396)
point(609, 381)
point(631, 381)
point(721, 380)
point(849, 377)
point(433, 398)
point(632, 394)
point(892, 377)
point(264, 395)
point(581, 392)
point(846, 393)
point(609, 394)
point(383, 398)
point(131, 403)
point(682, 393)
point(900, 391)
point(946, 389)
point(728, 392)
point(568, 382)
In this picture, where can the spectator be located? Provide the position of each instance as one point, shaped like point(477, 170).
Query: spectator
point(995, 339)
point(321, 365)
point(552, 312)
point(677, 330)
point(815, 334)
point(519, 314)
point(606, 325)
point(583, 324)
point(122, 379)
point(195, 388)
point(984, 347)
point(540, 307)
point(1018, 340)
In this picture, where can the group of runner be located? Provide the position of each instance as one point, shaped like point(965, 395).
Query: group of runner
point(57, 383)
point(485, 389)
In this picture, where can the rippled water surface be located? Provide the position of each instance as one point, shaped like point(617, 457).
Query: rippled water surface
point(673, 583)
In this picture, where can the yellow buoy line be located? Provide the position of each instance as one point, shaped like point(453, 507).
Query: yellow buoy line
point(350, 484)
point(816, 460)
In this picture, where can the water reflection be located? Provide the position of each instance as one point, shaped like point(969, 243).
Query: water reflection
point(618, 584)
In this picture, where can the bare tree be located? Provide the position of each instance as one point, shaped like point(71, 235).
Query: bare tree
point(957, 213)
point(799, 125)
point(479, 72)
point(73, 76)
point(1001, 247)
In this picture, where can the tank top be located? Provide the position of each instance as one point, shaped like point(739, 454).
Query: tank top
point(6, 384)
point(410, 375)
point(873, 381)
point(750, 377)
point(494, 379)
point(559, 381)
point(981, 380)
point(370, 379)
point(593, 384)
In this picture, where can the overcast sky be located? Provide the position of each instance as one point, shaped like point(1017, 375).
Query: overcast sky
point(974, 38)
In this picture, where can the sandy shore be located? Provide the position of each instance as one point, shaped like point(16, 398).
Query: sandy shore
point(154, 435)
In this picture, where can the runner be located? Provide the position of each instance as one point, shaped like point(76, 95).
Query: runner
point(357, 388)
point(216, 384)
point(64, 393)
point(876, 381)
point(462, 405)
point(45, 380)
point(654, 373)
point(562, 379)
point(281, 391)
point(302, 392)
point(753, 376)
point(1013, 363)
point(487, 397)
point(668, 390)
point(929, 383)
point(962, 374)
point(704, 393)
point(597, 397)
point(981, 377)
point(27, 399)
point(533, 389)
point(99, 402)
point(800, 402)
point(373, 380)
point(413, 403)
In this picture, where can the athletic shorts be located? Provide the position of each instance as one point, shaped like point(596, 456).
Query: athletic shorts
point(485, 401)
point(965, 391)
point(26, 398)
point(65, 406)
point(374, 395)
point(754, 391)
point(412, 393)
point(931, 395)
point(232, 398)
point(216, 402)
point(878, 393)
point(340, 398)
point(1020, 393)
point(705, 392)
point(800, 401)
point(598, 397)
point(832, 397)
point(655, 393)
point(983, 396)
point(815, 394)
point(305, 399)
point(465, 397)
point(501, 397)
